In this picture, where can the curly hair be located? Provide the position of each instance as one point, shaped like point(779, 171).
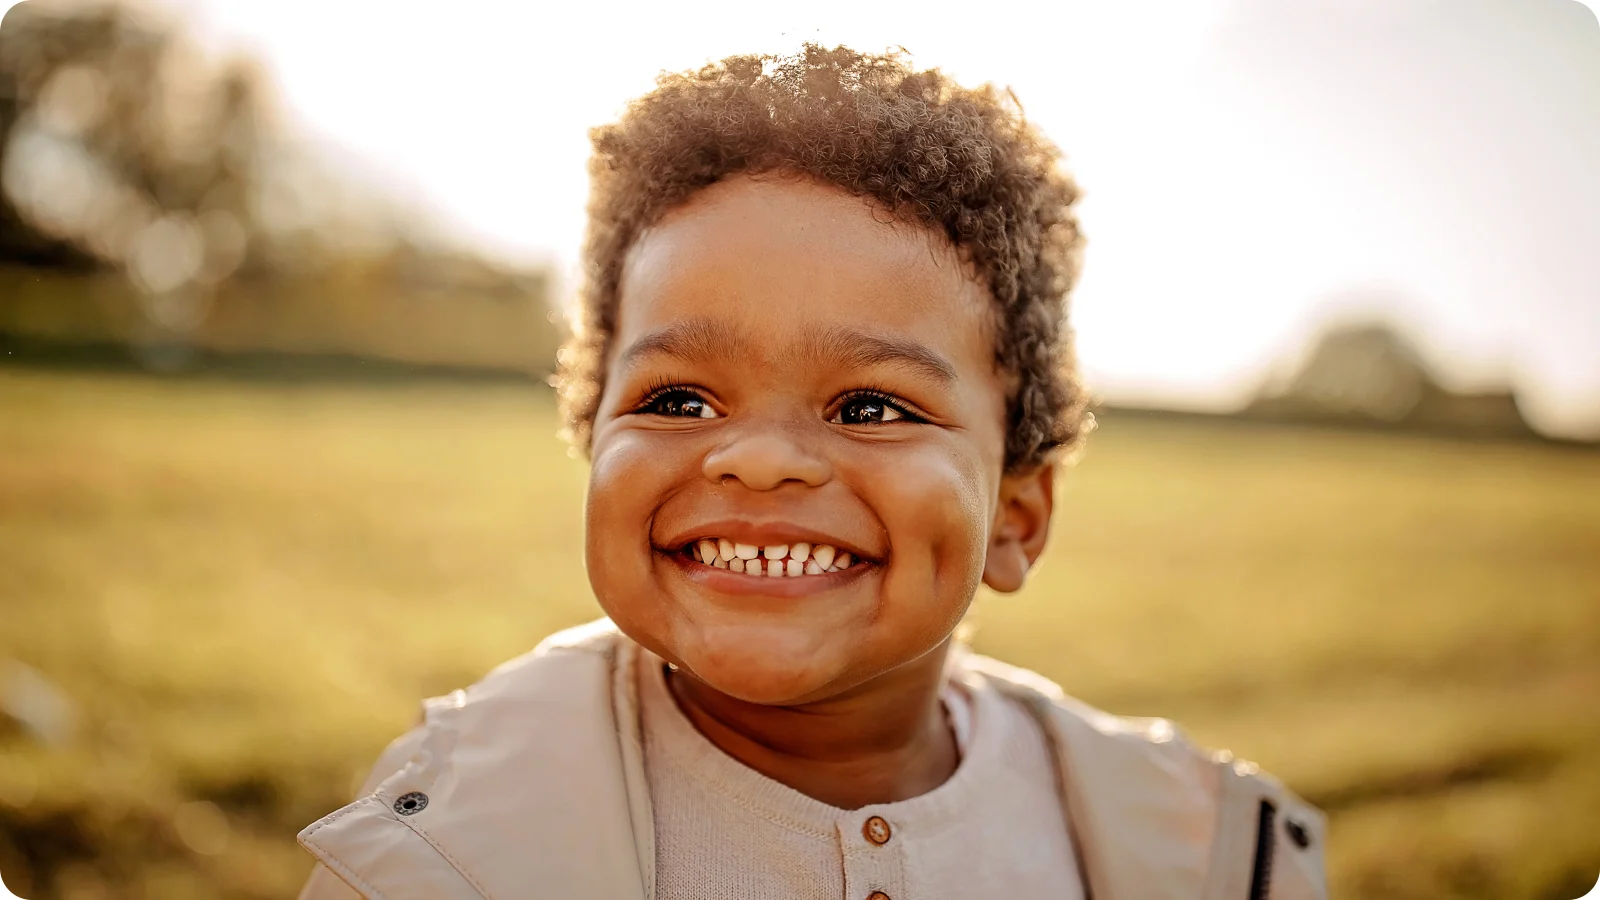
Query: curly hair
point(962, 162)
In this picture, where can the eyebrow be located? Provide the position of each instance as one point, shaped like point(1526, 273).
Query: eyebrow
point(862, 350)
point(695, 340)
point(689, 341)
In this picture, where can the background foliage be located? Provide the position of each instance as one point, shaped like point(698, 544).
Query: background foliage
point(243, 587)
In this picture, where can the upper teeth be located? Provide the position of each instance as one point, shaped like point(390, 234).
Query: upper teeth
point(788, 560)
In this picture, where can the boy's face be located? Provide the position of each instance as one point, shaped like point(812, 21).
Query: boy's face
point(792, 369)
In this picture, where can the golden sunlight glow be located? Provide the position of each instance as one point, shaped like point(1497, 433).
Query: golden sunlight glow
point(1225, 223)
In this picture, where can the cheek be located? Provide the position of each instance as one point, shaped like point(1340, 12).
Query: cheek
point(625, 482)
point(937, 513)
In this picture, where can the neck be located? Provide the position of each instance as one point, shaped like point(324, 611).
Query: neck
point(884, 741)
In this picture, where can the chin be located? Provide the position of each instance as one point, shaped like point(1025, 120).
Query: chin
point(765, 665)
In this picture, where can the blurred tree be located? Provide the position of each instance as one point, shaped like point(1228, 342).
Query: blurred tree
point(119, 136)
point(128, 147)
point(1368, 372)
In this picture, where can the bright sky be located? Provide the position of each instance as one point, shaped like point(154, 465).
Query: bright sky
point(1224, 218)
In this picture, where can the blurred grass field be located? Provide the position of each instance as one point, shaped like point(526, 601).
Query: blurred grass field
point(245, 587)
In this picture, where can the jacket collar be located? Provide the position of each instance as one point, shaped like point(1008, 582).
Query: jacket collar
point(528, 783)
point(1140, 802)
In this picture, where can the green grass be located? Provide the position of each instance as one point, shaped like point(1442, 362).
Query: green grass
point(245, 588)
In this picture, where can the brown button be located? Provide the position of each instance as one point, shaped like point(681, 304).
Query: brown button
point(877, 831)
point(877, 895)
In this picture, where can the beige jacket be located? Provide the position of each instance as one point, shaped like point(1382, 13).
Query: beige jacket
point(531, 784)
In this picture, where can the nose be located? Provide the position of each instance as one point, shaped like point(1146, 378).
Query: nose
point(763, 458)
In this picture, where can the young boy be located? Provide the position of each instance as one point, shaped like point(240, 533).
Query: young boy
point(824, 381)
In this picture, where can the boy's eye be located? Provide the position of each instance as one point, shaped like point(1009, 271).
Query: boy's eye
point(679, 403)
point(868, 409)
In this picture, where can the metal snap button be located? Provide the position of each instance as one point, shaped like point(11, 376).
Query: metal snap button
point(411, 804)
point(1297, 833)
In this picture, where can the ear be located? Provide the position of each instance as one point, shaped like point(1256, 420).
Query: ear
point(1021, 526)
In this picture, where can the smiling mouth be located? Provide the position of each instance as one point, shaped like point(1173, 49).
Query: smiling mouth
point(798, 560)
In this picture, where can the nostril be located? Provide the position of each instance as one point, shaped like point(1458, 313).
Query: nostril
point(766, 461)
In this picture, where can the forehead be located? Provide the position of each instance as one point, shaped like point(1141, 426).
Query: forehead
point(784, 256)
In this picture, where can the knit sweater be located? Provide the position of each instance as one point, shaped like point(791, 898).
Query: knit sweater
point(995, 828)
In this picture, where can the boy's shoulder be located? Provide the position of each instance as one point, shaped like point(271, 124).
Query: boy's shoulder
point(529, 751)
point(1143, 796)
point(1138, 782)
point(1153, 815)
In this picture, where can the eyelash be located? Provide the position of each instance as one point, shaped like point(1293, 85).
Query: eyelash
point(660, 387)
point(882, 396)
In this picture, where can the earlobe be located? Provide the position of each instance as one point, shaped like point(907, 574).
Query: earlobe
point(1021, 527)
point(1005, 569)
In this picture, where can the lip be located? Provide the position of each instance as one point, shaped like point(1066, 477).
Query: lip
point(763, 534)
point(725, 582)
